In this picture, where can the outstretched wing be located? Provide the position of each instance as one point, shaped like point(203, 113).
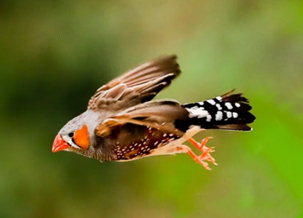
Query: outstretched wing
point(160, 115)
point(136, 86)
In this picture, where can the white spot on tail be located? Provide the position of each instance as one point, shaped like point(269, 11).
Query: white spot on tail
point(228, 113)
point(228, 105)
point(219, 116)
point(198, 112)
point(219, 98)
point(237, 104)
point(208, 118)
point(219, 107)
point(211, 101)
point(235, 115)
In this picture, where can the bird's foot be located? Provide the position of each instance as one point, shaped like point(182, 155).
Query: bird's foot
point(205, 156)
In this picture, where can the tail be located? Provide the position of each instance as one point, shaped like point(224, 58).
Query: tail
point(228, 112)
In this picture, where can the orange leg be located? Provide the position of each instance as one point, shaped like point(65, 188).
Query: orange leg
point(186, 149)
point(205, 150)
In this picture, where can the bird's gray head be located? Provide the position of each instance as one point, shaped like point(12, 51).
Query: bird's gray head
point(73, 135)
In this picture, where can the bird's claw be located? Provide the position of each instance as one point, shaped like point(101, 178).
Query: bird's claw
point(205, 156)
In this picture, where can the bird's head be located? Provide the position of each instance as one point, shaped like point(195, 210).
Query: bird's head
point(74, 136)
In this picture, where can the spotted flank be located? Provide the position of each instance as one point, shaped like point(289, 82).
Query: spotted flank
point(229, 111)
point(148, 139)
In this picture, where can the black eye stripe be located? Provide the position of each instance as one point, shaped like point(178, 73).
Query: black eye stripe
point(74, 141)
point(75, 144)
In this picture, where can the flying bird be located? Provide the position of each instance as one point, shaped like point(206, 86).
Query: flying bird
point(121, 122)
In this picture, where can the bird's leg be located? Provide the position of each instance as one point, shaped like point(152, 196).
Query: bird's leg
point(186, 149)
point(205, 150)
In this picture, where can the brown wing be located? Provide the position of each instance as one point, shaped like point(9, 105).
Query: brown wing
point(160, 115)
point(136, 86)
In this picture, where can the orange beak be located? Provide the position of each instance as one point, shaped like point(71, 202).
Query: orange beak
point(59, 144)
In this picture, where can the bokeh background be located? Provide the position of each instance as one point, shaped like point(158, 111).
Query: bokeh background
point(55, 54)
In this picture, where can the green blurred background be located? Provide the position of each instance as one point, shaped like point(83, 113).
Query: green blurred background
point(55, 54)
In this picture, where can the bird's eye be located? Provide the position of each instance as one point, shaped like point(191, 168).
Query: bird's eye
point(71, 134)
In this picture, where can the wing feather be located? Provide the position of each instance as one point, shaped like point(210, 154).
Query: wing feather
point(138, 85)
point(157, 114)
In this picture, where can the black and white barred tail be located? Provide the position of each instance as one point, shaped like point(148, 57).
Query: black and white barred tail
point(228, 111)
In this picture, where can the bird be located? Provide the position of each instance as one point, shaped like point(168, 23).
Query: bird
point(123, 123)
